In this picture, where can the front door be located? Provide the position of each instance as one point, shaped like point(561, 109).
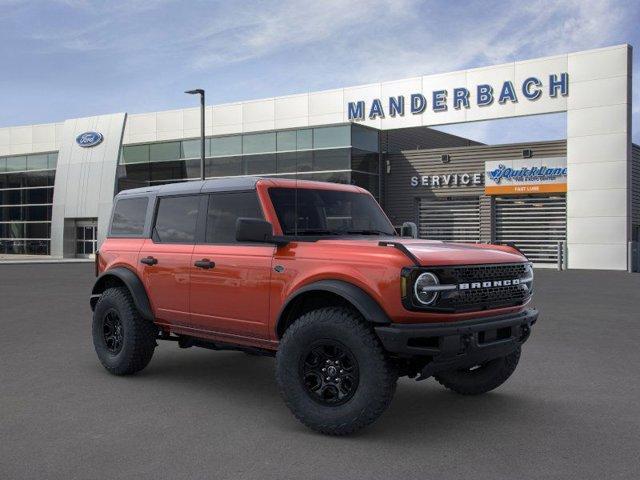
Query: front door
point(165, 259)
point(230, 280)
point(86, 238)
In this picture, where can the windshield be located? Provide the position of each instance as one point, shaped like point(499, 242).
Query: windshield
point(328, 212)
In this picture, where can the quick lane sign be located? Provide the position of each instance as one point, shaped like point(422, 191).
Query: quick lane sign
point(481, 95)
point(543, 175)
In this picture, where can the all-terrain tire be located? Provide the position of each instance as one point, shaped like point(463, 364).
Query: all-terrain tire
point(137, 336)
point(343, 330)
point(486, 377)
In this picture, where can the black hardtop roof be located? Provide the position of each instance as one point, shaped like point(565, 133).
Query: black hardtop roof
point(199, 186)
point(233, 184)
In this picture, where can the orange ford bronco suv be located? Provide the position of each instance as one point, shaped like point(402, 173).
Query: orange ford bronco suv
point(314, 274)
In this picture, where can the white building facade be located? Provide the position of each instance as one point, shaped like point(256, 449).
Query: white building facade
point(57, 186)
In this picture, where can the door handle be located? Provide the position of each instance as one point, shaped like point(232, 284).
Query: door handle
point(205, 263)
point(149, 260)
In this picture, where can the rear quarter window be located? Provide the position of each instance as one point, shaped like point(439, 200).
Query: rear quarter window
point(176, 219)
point(128, 217)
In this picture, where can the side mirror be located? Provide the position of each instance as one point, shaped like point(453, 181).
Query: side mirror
point(256, 230)
point(409, 229)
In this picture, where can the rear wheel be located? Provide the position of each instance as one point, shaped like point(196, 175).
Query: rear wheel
point(480, 378)
point(123, 340)
point(332, 372)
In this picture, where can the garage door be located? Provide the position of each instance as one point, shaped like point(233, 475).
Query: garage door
point(534, 224)
point(454, 219)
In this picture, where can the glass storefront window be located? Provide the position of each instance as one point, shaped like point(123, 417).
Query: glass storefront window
point(52, 160)
point(192, 168)
point(13, 230)
point(38, 230)
point(364, 161)
point(39, 179)
point(224, 146)
point(136, 172)
point(286, 162)
point(26, 195)
point(135, 154)
point(223, 166)
point(259, 143)
point(16, 164)
point(23, 163)
point(328, 137)
point(191, 148)
point(286, 141)
point(162, 152)
point(175, 170)
point(292, 162)
point(338, 159)
point(304, 139)
point(334, 177)
point(17, 213)
point(364, 138)
point(38, 247)
point(260, 164)
point(37, 162)
point(368, 182)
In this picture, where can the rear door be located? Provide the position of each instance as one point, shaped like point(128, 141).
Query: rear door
point(165, 258)
point(229, 280)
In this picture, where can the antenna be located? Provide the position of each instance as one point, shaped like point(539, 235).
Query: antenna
point(295, 195)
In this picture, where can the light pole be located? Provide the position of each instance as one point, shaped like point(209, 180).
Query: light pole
point(200, 92)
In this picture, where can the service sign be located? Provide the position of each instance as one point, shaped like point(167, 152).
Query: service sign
point(523, 176)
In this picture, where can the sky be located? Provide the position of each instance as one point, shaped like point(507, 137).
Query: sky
point(74, 58)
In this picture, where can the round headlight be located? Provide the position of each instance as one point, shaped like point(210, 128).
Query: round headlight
point(421, 288)
point(528, 277)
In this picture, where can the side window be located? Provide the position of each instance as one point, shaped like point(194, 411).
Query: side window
point(176, 219)
point(128, 217)
point(224, 210)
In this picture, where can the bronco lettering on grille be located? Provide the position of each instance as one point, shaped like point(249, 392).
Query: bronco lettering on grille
point(488, 284)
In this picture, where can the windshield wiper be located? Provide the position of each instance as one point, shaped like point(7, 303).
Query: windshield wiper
point(368, 232)
point(316, 231)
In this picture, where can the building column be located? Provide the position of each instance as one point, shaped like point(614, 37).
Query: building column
point(85, 179)
point(599, 158)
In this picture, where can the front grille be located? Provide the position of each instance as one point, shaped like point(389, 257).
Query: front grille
point(484, 297)
point(475, 273)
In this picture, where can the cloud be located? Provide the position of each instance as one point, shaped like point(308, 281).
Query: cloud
point(289, 24)
point(269, 47)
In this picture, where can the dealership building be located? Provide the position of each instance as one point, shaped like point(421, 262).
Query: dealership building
point(573, 202)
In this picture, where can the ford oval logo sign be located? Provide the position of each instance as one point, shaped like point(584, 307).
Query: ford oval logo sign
point(89, 139)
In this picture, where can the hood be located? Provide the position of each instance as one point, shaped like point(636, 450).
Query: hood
point(431, 253)
point(434, 252)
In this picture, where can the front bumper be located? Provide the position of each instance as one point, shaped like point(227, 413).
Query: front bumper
point(448, 346)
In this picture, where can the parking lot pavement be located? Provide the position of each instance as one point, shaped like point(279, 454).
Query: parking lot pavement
point(571, 410)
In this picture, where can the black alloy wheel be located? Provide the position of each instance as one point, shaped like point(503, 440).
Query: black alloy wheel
point(332, 371)
point(124, 341)
point(112, 332)
point(329, 372)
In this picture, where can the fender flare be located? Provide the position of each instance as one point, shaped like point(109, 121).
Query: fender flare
point(356, 296)
point(133, 284)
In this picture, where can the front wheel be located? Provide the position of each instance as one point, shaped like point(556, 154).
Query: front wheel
point(123, 340)
point(480, 378)
point(333, 373)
